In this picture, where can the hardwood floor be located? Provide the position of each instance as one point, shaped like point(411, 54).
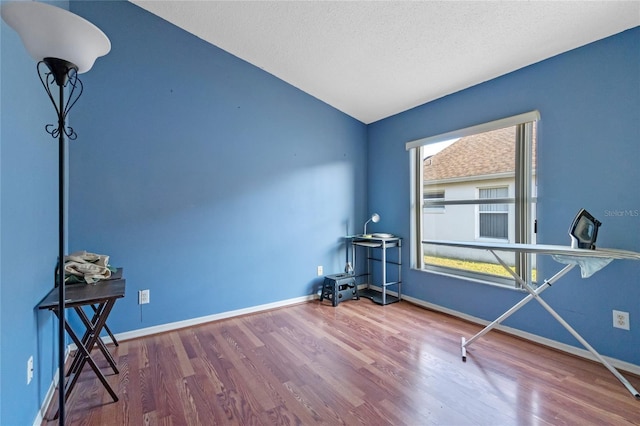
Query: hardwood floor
point(359, 363)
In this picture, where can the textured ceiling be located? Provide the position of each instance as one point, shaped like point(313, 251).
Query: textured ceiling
point(373, 59)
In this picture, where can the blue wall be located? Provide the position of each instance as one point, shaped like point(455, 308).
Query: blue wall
point(588, 153)
point(214, 184)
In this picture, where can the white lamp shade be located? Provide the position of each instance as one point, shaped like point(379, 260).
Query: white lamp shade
point(50, 32)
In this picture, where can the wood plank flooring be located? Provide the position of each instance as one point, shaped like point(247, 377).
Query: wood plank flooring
point(359, 363)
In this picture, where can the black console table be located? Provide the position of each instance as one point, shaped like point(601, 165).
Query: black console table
point(101, 297)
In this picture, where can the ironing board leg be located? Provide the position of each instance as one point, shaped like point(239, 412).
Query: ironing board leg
point(532, 293)
point(535, 294)
point(497, 321)
point(464, 350)
point(584, 343)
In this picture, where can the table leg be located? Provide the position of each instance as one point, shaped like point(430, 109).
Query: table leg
point(68, 387)
point(91, 330)
point(84, 350)
point(384, 273)
point(92, 325)
point(85, 338)
point(106, 328)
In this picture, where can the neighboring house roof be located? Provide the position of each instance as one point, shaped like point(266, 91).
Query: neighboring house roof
point(488, 153)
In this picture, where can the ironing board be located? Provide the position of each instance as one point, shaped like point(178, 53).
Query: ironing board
point(590, 261)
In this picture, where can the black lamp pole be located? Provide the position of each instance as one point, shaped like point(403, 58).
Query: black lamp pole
point(45, 28)
point(62, 74)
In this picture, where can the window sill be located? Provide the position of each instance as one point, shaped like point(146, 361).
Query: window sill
point(503, 285)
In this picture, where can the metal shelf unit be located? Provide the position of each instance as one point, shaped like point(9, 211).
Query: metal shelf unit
point(376, 245)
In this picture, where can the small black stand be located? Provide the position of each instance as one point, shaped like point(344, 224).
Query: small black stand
point(339, 287)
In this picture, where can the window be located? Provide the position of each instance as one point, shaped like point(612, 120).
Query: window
point(493, 219)
point(475, 184)
point(432, 201)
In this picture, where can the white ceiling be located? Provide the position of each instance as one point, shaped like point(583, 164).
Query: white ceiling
point(373, 59)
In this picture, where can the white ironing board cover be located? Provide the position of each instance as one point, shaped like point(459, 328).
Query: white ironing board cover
point(542, 248)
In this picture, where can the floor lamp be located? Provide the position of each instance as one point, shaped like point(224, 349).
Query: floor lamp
point(65, 45)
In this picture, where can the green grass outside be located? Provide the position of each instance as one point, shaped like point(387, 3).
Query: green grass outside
point(473, 266)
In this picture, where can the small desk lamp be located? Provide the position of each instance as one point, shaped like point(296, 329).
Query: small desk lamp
point(375, 218)
point(65, 45)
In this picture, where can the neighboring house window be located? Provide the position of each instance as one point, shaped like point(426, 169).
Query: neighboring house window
point(493, 219)
point(433, 201)
point(467, 176)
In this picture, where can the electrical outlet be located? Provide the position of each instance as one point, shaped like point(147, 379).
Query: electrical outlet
point(320, 270)
point(143, 297)
point(30, 369)
point(621, 320)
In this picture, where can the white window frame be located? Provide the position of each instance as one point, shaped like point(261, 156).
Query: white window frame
point(524, 197)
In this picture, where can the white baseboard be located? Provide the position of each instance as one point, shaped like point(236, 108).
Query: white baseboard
point(583, 353)
point(49, 396)
point(141, 332)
